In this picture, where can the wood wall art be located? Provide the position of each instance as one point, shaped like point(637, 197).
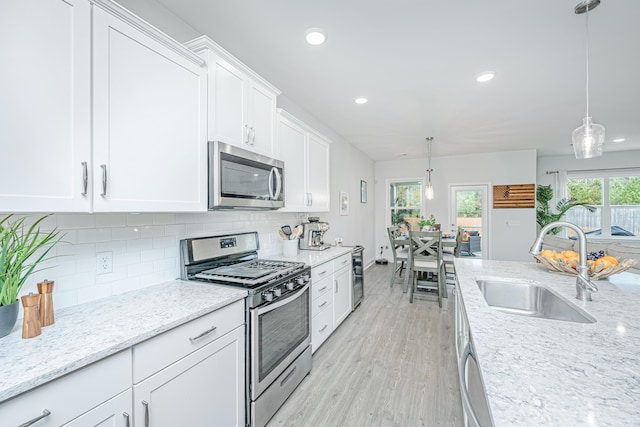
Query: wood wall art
point(514, 196)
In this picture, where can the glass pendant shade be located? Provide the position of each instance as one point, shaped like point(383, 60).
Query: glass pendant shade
point(588, 140)
point(428, 191)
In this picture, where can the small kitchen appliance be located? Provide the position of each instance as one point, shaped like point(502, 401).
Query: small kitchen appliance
point(278, 333)
point(312, 236)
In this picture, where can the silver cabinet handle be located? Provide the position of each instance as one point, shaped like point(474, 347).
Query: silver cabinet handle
point(345, 261)
point(465, 387)
point(322, 288)
point(323, 328)
point(45, 413)
point(310, 199)
point(126, 417)
point(146, 413)
point(289, 375)
point(205, 333)
point(323, 304)
point(253, 136)
point(248, 136)
point(104, 180)
point(336, 286)
point(85, 178)
point(323, 272)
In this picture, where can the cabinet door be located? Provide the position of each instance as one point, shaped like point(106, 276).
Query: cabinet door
point(341, 296)
point(45, 105)
point(149, 122)
point(291, 146)
point(227, 99)
point(205, 388)
point(115, 412)
point(318, 173)
point(261, 118)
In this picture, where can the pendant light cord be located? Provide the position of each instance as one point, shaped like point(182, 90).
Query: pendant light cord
point(587, 20)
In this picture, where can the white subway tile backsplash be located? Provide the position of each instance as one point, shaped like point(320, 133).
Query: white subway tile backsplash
point(151, 231)
point(77, 251)
point(125, 233)
point(164, 265)
point(118, 274)
point(152, 255)
point(164, 242)
point(110, 220)
point(175, 230)
point(186, 218)
point(112, 246)
point(164, 218)
point(153, 278)
point(141, 269)
point(71, 221)
point(194, 230)
point(139, 245)
point(93, 235)
point(125, 285)
point(96, 292)
point(139, 219)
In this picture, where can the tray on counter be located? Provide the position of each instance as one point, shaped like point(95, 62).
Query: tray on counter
point(557, 265)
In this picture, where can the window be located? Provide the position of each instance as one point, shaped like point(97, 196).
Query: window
point(406, 202)
point(616, 196)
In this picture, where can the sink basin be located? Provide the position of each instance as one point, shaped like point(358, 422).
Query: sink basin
point(528, 299)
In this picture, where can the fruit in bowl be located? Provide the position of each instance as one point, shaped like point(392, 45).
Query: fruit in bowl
point(600, 265)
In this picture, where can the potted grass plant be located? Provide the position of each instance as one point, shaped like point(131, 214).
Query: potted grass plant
point(22, 250)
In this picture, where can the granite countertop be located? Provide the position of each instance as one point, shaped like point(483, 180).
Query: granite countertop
point(86, 333)
point(548, 372)
point(315, 258)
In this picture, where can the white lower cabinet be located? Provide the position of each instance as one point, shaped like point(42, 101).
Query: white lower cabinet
point(96, 395)
point(205, 388)
point(114, 412)
point(331, 295)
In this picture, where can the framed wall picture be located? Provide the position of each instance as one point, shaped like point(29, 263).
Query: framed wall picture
point(344, 203)
point(363, 191)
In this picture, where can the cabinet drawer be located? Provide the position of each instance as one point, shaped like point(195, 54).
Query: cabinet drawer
point(323, 302)
point(72, 395)
point(321, 328)
point(341, 262)
point(322, 271)
point(158, 352)
point(321, 287)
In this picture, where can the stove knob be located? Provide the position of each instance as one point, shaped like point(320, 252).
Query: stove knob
point(306, 278)
point(267, 296)
point(290, 286)
point(277, 292)
point(300, 280)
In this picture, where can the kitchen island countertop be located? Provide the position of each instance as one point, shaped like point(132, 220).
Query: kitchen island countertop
point(549, 372)
point(89, 332)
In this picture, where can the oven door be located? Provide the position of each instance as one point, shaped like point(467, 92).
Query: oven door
point(241, 179)
point(280, 332)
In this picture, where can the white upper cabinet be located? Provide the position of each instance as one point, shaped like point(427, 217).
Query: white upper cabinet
point(306, 165)
point(144, 94)
point(149, 131)
point(45, 110)
point(241, 105)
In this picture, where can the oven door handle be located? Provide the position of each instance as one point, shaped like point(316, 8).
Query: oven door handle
point(280, 303)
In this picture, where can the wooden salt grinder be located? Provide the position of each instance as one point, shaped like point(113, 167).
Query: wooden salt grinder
point(45, 290)
point(31, 320)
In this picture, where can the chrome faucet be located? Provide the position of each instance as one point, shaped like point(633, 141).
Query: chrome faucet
point(584, 285)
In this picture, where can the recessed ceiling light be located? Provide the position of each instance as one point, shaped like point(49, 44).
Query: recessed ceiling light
point(361, 100)
point(315, 36)
point(620, 140)
point(485, 77)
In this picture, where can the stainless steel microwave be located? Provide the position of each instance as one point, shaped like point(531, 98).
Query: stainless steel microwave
point(241, 179)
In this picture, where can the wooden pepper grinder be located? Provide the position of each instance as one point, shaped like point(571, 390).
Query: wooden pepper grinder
point(31, 320)
point(45, 290)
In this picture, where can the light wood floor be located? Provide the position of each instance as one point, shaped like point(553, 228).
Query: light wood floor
point(390, 363)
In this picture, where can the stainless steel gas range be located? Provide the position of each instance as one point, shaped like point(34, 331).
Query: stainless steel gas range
point(277, 314)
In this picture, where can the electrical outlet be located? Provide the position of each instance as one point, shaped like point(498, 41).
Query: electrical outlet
point(104, 262)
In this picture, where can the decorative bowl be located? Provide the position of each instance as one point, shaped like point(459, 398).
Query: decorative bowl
point(558, 265)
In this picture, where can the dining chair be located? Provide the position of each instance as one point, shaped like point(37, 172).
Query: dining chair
point(448, 254)
point(400, 250)
point(426, 261)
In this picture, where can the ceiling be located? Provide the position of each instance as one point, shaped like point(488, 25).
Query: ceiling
point(417, 60)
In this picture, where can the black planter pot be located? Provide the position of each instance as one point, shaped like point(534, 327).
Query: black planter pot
point(8, 318)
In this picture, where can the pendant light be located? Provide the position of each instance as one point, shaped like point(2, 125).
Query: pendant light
point(428, 191)
point(587, 140)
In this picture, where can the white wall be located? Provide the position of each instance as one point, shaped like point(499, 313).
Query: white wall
point(506, 242)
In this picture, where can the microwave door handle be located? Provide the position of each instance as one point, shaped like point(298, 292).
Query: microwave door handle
point(271, 193)
point(278, 183)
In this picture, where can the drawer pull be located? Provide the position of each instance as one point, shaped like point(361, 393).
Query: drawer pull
point(323, 304)
point(146, 413)
point(205, 333)
point(345, 261)
point(45, 414)
point(322, 273)
point(323, 328)
point(289, 375)
point(322, 289)
point(126, 416)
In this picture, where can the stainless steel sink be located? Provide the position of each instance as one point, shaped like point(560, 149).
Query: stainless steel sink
point(527, 299)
